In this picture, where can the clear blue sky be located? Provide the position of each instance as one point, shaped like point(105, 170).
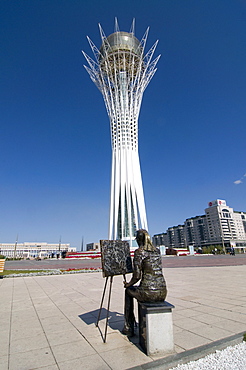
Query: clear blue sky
point(55, 138)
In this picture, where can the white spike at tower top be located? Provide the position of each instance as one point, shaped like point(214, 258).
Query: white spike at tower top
point(121, 71)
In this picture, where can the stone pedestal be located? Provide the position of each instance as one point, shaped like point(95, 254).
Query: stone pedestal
point(156, 328)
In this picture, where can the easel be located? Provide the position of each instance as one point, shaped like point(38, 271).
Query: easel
point(109, 298)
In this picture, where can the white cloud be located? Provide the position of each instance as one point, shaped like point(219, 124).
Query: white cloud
point(241, 180)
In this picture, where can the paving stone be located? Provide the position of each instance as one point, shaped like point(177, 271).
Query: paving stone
point(188, 340)
point(28, 344)
point(125, 357)
point(76, 349)
point(3, 362)
point(93, 362)
point(31, 359)
point(58, 338)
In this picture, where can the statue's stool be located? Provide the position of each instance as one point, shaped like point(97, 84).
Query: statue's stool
point(156, 327)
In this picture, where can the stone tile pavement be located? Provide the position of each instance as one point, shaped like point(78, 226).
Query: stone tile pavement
point(48, 322)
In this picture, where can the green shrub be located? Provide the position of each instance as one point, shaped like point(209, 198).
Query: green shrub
point(211, 248)
point(244, 337)
point(2, 257)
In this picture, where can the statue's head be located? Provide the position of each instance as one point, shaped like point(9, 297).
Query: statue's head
point(143, 240)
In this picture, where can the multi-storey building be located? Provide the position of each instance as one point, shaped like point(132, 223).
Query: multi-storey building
point(176, 236)
point(160, 239)
point(196, 231)
point(220, 225)
point(225, 226)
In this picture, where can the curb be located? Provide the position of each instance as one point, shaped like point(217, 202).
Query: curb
point(194, 354)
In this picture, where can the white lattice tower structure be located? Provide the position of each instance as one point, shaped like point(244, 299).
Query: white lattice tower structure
point(122, 71)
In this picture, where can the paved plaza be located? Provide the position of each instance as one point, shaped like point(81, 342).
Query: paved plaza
point(48, 322)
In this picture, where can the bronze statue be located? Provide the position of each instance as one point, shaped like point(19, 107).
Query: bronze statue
point(147, 266)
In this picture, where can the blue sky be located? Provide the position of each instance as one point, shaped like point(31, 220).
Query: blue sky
point(54, 129)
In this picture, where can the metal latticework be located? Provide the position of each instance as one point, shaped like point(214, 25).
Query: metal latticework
point(122, 71)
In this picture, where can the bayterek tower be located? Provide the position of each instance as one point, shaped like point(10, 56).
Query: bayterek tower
point(122, 70)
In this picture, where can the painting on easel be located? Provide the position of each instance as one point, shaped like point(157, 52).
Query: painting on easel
point(116, 258)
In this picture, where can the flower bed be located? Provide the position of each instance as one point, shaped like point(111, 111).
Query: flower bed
point(52, 272)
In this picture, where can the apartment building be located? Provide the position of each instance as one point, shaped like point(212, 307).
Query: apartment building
point(220, 225)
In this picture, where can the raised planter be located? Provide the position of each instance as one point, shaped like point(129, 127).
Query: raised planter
point(2, 263)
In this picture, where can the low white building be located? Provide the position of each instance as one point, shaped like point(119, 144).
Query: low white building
point(34, 249)
point(93, 247)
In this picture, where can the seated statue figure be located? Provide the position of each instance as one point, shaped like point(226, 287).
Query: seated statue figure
point(147, 267)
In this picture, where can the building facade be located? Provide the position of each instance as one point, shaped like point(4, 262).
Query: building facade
point(121, 71)
point(196, 231)
point(175, 236)
point(226, 226)
point(34, 250)
point(160, 239)
point(220, 225)
point(93, 247)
